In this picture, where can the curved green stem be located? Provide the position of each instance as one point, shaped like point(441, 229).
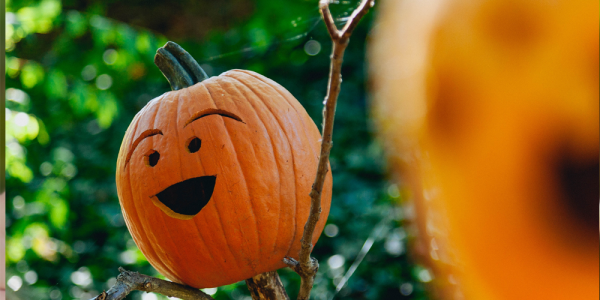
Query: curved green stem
point(178, 66)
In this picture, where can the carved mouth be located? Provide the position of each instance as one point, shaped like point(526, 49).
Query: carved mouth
point(185, 199)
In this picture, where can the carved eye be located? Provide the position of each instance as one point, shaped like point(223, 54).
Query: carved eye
point(194, 145)
point(152, 158)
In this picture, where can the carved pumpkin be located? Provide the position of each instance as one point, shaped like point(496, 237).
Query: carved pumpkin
point(492, 109)
point(214, 177)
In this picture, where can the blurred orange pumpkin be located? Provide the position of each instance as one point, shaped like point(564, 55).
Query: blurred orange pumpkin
point(491, 110)
point(214, 177)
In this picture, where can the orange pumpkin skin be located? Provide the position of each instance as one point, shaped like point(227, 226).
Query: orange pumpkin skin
point(499, 99)
point(264, 164)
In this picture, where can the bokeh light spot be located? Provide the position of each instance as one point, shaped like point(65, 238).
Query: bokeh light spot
point(406, 288)
point(331, 230)
point(88, 73)
point(104, 82)
point(110, 56)
point(15, 283)
point(312, 47)
point(336, 261)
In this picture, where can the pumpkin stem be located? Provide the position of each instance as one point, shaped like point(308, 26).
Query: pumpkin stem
point(178, 66)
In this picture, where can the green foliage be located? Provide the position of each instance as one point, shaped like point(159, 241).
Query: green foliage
point(76, 78)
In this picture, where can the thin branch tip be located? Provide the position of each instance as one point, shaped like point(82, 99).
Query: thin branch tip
point(307, 266)
point(323, 3)
point(290, 261)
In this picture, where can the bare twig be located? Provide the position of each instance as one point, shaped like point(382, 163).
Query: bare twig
point(306, 266)
point(266, 286)
point(129, 281)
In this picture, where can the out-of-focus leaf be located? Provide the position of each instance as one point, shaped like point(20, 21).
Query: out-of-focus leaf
point(18, 169)
point(108, 109)
point(59, 211)
point(14, 249)
point(31, 74)
point(56, 84)
point(13, 66)
point(143, 43)
point(76, 23)
point(43, 136)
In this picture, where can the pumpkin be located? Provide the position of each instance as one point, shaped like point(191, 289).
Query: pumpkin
point(214, 177)
point(491, 113)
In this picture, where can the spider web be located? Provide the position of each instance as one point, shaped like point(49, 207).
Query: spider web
point(341, 11)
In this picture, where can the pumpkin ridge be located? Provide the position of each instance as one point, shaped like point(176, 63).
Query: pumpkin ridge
point(306, 126)
point(161, 266)
point(286, 97)
point(164, 106)
point(122, 173)
point(152, 241)
point(246, 242)
point(179, 95)
point(156, 244)
point(137, 119)
point(292, 158)
point(125, 146)
point(220, 262)
point(169, 253)
point(252, 204)
point(293, 166)
point(218, 215)
point(145, 230)
point(274, 157)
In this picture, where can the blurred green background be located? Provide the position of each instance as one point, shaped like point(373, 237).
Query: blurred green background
point(78, 71)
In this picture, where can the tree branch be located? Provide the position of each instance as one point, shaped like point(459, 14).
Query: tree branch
point(356, 16)
point(353, 20)
point(328, 20)
point(266, 286)
point(306, 266)
point(129, 281)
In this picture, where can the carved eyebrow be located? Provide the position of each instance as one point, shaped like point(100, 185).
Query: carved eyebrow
point(212, 111)
point(145, 134)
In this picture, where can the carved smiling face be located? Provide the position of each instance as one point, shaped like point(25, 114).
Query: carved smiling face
point(184, 199)
point(214, 179)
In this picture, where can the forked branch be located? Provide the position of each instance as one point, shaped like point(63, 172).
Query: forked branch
point(306, 266)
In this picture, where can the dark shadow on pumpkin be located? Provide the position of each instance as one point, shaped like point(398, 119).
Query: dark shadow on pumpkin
point(189, 196)
point(579, 183)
